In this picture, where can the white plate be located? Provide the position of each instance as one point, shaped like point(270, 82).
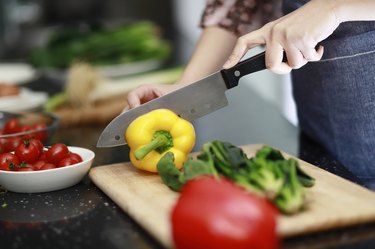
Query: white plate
point(16, 73)
point(114, 71)
point(50, 179)
point(110, 71)
point(25, 101)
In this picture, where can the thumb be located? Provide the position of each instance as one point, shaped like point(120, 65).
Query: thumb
point(243, 44)
point(133, 100)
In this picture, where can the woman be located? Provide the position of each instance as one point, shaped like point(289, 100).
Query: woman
point(334, 92)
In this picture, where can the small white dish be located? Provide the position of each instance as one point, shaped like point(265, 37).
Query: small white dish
point(17, 73)
point(50, 179)
point(26, 100)
point(121, 70)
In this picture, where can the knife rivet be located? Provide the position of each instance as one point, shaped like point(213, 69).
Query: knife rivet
point(237, 73)
point(117, 137)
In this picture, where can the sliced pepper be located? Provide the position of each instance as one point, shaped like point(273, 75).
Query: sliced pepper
point(152, 135)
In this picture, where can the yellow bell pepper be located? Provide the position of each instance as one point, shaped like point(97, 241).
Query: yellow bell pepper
point(153, 134)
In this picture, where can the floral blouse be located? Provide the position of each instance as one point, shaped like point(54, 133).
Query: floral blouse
point(240, 16)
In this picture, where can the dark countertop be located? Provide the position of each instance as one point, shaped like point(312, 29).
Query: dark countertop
point(83, 217)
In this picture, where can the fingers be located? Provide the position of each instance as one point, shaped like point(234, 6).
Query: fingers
point(239, 50)
point(243, 44)
point(295, 58)
point(133, 99)
point(318, 53)
point(142, 94)
point(126, 108)
point(274, 59)
point(145, 93)
point(298, 51)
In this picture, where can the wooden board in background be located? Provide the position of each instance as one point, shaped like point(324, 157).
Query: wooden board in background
point(333, 202)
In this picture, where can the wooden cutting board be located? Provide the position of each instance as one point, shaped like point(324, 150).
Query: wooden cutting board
point(333, 202)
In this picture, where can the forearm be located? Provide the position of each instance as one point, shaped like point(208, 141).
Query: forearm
point(354, 10)
point(212, 50)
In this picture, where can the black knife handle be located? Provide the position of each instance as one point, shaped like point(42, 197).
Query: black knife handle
point(251, 65)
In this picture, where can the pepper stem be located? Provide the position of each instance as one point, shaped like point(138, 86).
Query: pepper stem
point(162, 141)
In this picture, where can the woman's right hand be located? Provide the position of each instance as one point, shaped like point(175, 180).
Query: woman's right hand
point(297, 34)
point(147, 92)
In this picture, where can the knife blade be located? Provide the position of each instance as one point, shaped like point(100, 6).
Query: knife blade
point(190, 102)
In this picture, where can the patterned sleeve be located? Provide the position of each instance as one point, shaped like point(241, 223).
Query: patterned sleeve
point(240, 16)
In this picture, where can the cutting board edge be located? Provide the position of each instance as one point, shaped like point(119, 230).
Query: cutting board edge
point(164, 239)
point(328, 227)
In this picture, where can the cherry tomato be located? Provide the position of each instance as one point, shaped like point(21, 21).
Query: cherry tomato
point(67, 161)
point(12, 125)
point(2, 145)
point(7, 159)
point(25, 167)
point(38, 164)
point(48, 166)
point(25, 128)
point(27, 152)
point(42, 156)
point(213, 213)
point(38, 144)
point(41, 135)
point(76, 157)
point(57, 153)
point(11, 143)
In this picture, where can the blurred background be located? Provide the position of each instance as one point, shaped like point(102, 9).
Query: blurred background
point(28, 23)
point(39, 38)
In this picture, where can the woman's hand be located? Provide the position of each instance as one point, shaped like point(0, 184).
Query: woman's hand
point(147, 92)
point(297, 33)
point(208, 57)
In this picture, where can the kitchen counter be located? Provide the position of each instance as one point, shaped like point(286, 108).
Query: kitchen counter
point(83, 217)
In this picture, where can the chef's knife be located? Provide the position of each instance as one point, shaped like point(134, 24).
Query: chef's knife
point(190, 102)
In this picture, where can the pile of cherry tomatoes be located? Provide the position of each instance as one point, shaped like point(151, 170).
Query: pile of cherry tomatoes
point(30, 155)
point(13, 126)
point(27, 153)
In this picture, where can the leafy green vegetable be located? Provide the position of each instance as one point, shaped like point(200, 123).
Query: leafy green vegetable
point(306, 180)
point(267, 174)
point(168, 172)
point(174, 178)
point(291, 198)
point(194, 167)
point(133, 42)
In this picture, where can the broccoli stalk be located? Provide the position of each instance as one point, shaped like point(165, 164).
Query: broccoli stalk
point(291, 198)
point(266, 175)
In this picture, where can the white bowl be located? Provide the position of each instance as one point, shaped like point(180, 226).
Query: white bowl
point(50, 179)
